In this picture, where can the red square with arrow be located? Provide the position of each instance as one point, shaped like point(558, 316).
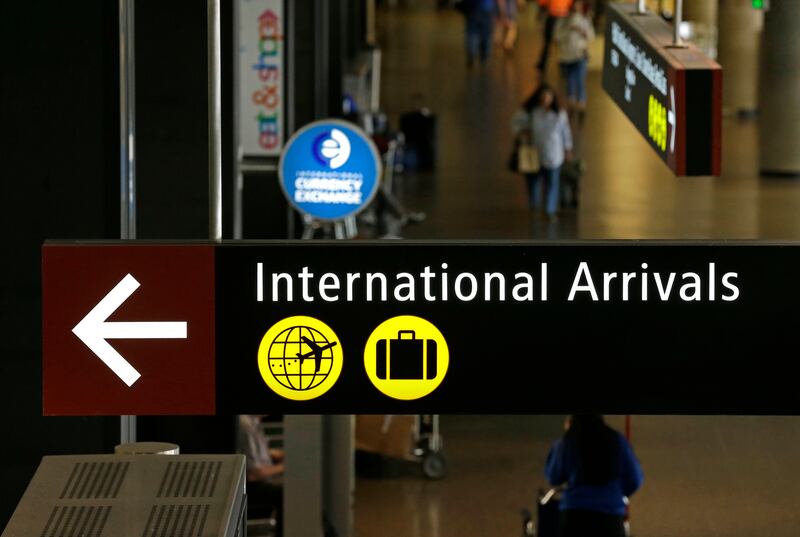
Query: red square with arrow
point(128, 329)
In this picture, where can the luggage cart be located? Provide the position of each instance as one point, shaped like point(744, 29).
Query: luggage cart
point(545, 524)
point(428, 446)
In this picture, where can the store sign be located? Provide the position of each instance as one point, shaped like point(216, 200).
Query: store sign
point(260, 68)
point(673, 95)
point(330, 170)
point(406, 328)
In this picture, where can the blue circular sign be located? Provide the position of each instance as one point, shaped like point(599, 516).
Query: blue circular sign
point(330, 170)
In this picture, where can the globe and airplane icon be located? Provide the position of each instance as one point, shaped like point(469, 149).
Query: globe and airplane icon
point(301, 357)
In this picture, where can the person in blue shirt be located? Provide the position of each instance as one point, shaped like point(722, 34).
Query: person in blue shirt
point(600, 471)
point(478, 28)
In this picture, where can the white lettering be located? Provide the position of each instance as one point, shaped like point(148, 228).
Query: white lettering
point(583, 272)
point(639, 58)
point(607, 277)
point(626, 280)
point(259, 282)
point(351, 278)
point(694, 285)
point(275, 289)
point(663, 292)
point(325, 287)
point(473, 286)
point(426, 276)
point(408, 286)
point(305, 276)
point(501, 286)
point(371, 277)
point(523, 291)
point(733, 288)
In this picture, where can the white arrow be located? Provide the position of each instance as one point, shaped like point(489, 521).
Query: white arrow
point(671, 119)
point(94, 330)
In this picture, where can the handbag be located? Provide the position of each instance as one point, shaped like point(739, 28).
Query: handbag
point(527, 158)
point(513, 159)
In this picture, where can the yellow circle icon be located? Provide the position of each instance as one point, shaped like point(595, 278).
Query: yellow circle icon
point(406, 357)
point(300, 358)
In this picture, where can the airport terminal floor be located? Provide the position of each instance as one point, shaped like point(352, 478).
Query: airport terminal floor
point(628, 193)
point(704, 475)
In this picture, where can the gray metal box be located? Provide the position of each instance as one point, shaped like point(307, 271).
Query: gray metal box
point(133, 496)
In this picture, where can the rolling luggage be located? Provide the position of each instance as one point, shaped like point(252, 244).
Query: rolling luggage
point(406, 357)
point(571, 173)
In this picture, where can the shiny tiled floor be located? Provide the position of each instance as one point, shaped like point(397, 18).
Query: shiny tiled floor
point(706, 476)
point(628, 192)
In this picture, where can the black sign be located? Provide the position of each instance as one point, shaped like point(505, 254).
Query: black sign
point(673, 95)
point(401, 328)
point(621, 327)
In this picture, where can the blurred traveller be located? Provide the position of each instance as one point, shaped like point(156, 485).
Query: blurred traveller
point(600, 470)
point(573, 34)
point(508, 22)
point(554, 10)
point(542, 121)
point(479, 15)
point(264, 470)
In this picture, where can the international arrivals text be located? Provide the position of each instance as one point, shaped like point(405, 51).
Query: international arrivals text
point(442, 285)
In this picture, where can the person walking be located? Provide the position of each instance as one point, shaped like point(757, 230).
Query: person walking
point(573, 35)
point(600, 471)
point(553, 10)
point(542, 121)
point(479, 26)
point(508, 23)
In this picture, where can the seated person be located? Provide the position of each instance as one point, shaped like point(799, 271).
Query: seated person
point(264, 470)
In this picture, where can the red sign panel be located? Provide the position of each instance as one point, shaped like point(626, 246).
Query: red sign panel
point(128, 329)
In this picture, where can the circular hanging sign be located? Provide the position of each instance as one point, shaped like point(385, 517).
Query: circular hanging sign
point(330, 170)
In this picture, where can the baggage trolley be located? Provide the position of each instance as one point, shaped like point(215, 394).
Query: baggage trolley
point(546, 522)
point(428, 446)
point(547, 515)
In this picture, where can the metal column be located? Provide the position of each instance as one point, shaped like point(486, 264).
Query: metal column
point(338, 462)
point(127, 146)
point(322, 38)
point(678, 19)
point(214, 122)
point(302, 482)
point(238, 178)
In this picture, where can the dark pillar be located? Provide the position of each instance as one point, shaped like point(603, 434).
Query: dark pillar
point(739, 44)
point(702, 11)
point(60, 169)
point(779, 91)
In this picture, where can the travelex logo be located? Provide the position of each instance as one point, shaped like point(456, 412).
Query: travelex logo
point(332, 149)
point(330, 170)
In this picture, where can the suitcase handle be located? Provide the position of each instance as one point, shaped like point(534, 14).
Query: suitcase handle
point(402, 333)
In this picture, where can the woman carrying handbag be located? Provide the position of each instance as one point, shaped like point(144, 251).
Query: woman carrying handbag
point(545, 127)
